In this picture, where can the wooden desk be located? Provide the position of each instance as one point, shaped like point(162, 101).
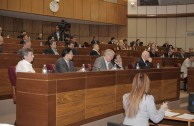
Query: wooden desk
point(72, 99)
point(174, 118)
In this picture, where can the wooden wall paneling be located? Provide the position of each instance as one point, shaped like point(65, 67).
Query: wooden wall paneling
point(36, 26)
point(17, 25)
point(37, 6)
point(122, 14)
point(86, 10)
point(27, 26)
point(75, 29)
point(47, 10)
point(113, 31)
point(47, 27)
point(13, 5)
point(8, 23)
point(53, 26)
point(93, 30)
point(3, 4)
point(122, 31)
point(103, 31)
point(84, 39)
point(104, 40)
point(60, 13)
point(78, 12)
point(1, 22)
point(94, 10)
point(111, 13)
point(122, 2)
point(26, 6)
point(15, 34)
point(84, 30)
point(68, 8)
point(102, 11)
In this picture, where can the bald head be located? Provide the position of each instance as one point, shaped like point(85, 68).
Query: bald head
point(145, 55)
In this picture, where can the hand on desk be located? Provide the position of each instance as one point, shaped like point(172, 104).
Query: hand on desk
point(164, 106)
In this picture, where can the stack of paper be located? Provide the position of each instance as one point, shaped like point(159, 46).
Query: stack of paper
point(170, 114)
point(186, 116)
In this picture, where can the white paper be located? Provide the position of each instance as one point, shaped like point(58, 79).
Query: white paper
point(186, 116)
point(170, 114)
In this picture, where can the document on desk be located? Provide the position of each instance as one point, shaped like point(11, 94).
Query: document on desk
point(170, 113)
point(186, 116)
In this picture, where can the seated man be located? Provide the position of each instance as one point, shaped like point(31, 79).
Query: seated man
point(95, 50)
point(94, 40)
point(25, 64)
point(153, 52)
point(1, 43)
point(104, 62)
point(71, 45)
point(184, 68)
point(22, 33)
point(65, 63)
point(27, 44)
point(52, 49)
point(39, 37)
point(112, 40)
point(169, 53)
point(145, 62)
point(24, 38)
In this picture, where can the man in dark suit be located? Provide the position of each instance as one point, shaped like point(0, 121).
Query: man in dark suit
point(22, 33)
point(112, 40)
point(145, 62)
point(65, 63)
point(104, 63)
point(52, 49)
point(169, 53)
point(153, 52)
point(57, 34)
point(71, 45)
point(95, 50)
point(94, 41)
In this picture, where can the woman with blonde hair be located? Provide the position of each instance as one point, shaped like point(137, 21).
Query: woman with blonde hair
point(139, 106)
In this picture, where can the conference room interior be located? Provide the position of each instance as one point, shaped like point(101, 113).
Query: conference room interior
point(86, 97)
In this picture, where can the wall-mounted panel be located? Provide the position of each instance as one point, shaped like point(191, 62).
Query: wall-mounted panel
point(160, 41)
point(3, 4)
point(113, 31)
point(93, 30)
point(104, 40)
point(111, 13)
point(68, 13)
point(13, 5)
point(103, 31)
point(190, 24)
point(181, 9)
point(102, 11)
point(27, 25)
point(180, 42)
point(122, 14)
point(172, 41)
point(46, 27)
point(161, 10)
point(84, 30)
point(37, 8)
point(25, 6)
point(171, 27)
point(161, 27)
point(189, 42)
point(86, 10)
point(151, 27)
point(47, 10)
point(151, 9)
point(141, 27)
point(181, 27)
point(78, 6)
point(132, 27)
point(75, 29)
point(18, 25)
point(142, 10)
point(150, 40)
point(132, 9)
point(94, 10)
point(8, 24)
point(122, 32)
point(171, 9)
point(190, 8)
point(36, 26)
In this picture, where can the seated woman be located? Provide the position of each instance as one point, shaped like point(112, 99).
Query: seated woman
point(117, 61)
point(139, 106)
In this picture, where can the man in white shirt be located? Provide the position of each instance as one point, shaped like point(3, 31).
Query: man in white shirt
point(104, 62)
point(25, 64)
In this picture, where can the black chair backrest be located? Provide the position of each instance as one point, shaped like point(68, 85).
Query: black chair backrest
point(114, 124)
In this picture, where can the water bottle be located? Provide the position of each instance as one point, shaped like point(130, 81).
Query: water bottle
point(158, 66)
point(115, 66)
point(83, 69)
point(137, 66)
point(44, 69)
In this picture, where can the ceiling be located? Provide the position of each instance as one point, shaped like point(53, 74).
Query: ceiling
point(45, 18)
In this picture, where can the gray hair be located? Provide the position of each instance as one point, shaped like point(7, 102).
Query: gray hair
point(109, 52)
point(26, 51)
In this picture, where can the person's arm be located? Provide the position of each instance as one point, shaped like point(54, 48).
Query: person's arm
point(155, 115)
point(60, 68)
point(97, 65)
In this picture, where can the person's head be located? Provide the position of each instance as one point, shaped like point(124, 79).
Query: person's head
point(67, 31)
point(1, 40)
point(109, 54)
point(71, 45)
point(57, 28)
point(117, 58)
point(153, 49)
point(40, 35)
point(137, 40)
point(53, 44)
point(24, 37)
point(73, 39)
point(23, 32)
point(140, 86)
point(27, 44)
point(113, 39)
point(96, 47)
point(145, 55)
point(67, 54)
point(28, 54)
point(125, 41)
